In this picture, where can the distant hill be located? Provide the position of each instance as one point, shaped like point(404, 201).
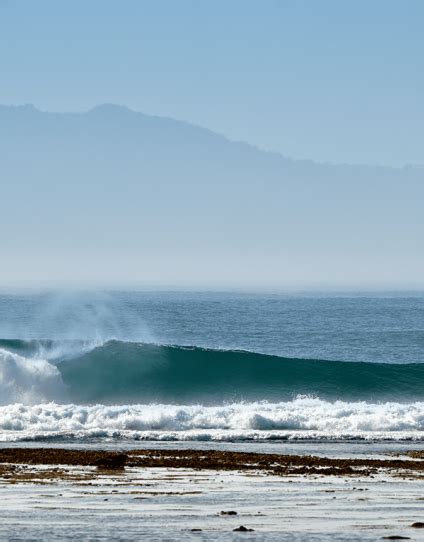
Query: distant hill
point(112, 196)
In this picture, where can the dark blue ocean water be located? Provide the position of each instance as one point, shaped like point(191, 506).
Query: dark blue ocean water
point(221, 366)
point(379, 327)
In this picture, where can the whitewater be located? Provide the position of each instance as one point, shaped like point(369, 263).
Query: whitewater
point(302, 418)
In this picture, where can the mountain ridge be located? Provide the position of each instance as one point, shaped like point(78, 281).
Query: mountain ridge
point(125, 196)
point(111, 108)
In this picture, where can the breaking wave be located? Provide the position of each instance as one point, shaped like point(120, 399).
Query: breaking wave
point(28, 380)
point(119, 372)
point(122, 390)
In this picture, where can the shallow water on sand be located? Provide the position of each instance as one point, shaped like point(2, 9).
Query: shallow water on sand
point(167, 504)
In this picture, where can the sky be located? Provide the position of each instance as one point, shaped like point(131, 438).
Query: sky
point(116, 198)
point(331, 81)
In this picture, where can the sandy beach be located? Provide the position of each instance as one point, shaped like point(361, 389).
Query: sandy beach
point(208, 494)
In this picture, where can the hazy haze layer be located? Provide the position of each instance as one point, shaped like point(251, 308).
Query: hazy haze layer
point(114, 196)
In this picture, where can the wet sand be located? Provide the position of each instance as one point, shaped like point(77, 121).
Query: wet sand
point(56, 493)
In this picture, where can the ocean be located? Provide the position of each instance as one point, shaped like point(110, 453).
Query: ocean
point(171, 366)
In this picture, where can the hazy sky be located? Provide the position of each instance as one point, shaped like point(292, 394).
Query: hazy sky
point(329, 80)
point(113, 197)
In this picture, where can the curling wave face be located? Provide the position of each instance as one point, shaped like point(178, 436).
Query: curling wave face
point(124, 373)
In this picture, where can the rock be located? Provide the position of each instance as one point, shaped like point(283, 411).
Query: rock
point(418, 525)
point(396, 537)
point(116, 461)
point(243, 529)
point(228, 513)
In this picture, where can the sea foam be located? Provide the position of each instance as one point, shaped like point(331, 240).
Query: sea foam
point(302, 417)
point(28, 380)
